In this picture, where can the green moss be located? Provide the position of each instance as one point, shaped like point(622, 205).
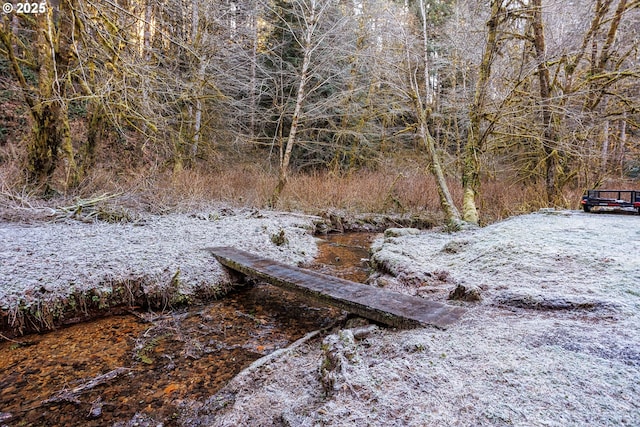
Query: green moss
point(144, 354)
point(279, 239)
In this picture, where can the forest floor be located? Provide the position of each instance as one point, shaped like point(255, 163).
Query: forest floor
point(552, 340)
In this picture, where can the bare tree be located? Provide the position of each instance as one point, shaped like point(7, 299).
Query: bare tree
point(476, 137)
point(581, 89)
point(310, 26)
point(411, 78)
point(547, 106)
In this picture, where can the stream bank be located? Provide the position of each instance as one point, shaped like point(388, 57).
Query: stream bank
point(152, 367)
point(147, 365)
point(552, 340)
point(57, 270)
point(541, 346)
point(56, 273)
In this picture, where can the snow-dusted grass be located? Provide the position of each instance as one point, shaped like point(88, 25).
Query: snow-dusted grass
point(554, 341)
point(44, 260)
point(568, 255)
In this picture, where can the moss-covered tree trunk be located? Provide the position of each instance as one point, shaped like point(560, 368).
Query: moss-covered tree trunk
point(87, 151)
point(475, 139)
point(51, 131)
point(44, 145)
point(423, 111)
point(50, 134)
point(451, 214)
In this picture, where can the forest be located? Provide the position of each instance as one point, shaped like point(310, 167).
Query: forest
point(473, 109)
point(138, 138)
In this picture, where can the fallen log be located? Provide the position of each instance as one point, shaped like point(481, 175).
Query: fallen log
point(71, 396)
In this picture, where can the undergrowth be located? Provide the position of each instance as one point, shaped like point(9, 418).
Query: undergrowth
point(395, 187)
point(399, 183)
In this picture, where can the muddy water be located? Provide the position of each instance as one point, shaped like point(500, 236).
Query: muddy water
point(345, 255)
point(106, 371)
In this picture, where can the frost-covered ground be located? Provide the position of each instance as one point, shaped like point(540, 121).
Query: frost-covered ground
point(44, 259)
point(554, 341)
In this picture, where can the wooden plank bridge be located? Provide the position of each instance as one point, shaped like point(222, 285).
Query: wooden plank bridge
point(377, 304)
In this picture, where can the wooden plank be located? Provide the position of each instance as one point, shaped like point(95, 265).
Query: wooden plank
point(380, 305)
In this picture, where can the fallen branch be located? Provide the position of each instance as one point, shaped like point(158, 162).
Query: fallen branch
point(16, 201)
point(247, 372)
point(20, 343)
point(88, 210)
point(72, 395)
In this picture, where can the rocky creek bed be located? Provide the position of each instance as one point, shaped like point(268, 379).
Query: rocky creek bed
point(147, 365)
point(550, 337)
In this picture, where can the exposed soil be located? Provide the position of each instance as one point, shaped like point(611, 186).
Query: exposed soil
point(342, 222)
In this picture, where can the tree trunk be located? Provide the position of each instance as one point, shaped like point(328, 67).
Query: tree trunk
point(87, 151)
point(253, 98)
point(285, 157)
point(428, 92)
point(475, 139)
point(604, 154)
point(553, 155)
point(197, 126)
point(42, 149)
point(449, 209)
point(451, 214)
point(622, 145)
point(50, 133)
point(202, 63)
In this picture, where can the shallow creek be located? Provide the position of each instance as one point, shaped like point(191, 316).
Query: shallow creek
point(105, 371)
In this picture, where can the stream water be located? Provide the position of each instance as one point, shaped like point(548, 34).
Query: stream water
point(106, 371)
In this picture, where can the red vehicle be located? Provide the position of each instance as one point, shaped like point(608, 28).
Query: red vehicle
point(611, 199)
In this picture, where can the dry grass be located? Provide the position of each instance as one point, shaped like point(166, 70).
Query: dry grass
point(398, 185)
point(389, 189)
